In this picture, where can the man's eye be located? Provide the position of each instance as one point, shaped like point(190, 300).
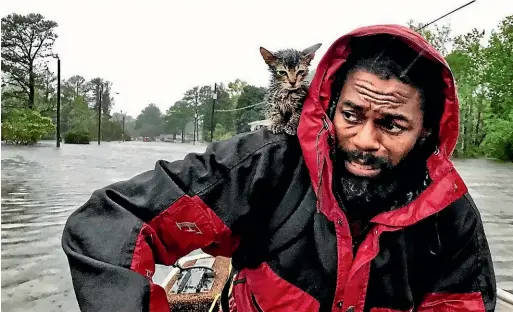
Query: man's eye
point(392, 127)
point(350, 116)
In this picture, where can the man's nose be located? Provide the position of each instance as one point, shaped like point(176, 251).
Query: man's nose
point(367, 138)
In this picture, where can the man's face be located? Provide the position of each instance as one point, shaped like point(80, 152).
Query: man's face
point(377, 119)
point(377, 123)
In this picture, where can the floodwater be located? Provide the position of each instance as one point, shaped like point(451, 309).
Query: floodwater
point(42, 185)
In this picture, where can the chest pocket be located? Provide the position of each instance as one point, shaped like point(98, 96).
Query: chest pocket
point(287, 222)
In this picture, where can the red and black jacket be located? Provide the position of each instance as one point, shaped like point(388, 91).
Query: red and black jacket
point(430, 255)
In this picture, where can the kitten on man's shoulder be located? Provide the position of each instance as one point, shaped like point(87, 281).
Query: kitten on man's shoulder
point(288, 86)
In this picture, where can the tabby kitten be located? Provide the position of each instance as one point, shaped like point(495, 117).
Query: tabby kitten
point(288, 87)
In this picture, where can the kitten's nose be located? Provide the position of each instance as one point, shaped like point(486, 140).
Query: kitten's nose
point(292, 83)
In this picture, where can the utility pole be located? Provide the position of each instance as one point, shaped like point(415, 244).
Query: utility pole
point(212, 120)
point(123, 134)
point(100, 112)
point(58, 102)
point(195, 117)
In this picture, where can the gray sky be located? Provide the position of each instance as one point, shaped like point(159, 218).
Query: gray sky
point(154, 52)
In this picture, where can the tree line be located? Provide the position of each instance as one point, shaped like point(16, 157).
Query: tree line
point(190, 118)
point(29, 94)
point(483, 70)
point(482, 63)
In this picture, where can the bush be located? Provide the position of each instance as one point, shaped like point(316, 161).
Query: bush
point(76, 137)
point(25, 126)
point(220, 133)
point(498, 142)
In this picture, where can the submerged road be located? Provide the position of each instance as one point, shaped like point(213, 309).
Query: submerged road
point(42, 185)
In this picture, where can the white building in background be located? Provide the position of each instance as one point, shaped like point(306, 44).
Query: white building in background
point(255, 125)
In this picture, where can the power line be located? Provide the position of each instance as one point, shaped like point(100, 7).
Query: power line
point(447, 14)
point(240, 108)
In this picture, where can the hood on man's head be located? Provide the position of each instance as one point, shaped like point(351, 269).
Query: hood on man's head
point(390, 58)
point(406, 48)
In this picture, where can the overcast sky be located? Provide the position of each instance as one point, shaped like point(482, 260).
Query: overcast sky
point(154, 52)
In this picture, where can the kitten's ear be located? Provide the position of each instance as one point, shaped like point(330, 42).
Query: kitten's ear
point(268, 56)
point(309, 52)
point(312, 49)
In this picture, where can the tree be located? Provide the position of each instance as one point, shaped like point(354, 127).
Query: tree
point(192, 97)
point(467, 66)
point(95, 87)
point(177, 117)
point(438, 36)
point(80, 117)
point(25, 126)
point(206, 99)
point(498, 74)
point(236, 88)
point(226, 119)
point(26, 41)
point(46, 92)
point(150, 121)
point(107, 100)
point(251, 95)
point(79, 85)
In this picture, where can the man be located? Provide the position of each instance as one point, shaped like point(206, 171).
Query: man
point(376, 217)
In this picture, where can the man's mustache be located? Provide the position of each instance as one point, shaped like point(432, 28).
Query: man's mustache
point(367, 159)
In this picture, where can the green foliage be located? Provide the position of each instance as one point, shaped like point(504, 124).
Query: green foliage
point(76, 137)
point(482, 69)
point(220, 133)
point(177, 117)
point(150, 122)
point(229, 119)
point(498, 142)
point(25, 126)
point(251, 95)
point(485, 87)
point(224, 102)
point(437, 35)
point(79, 116)
point(26, 41)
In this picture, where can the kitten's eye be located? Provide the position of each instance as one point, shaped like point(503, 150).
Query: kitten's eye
point(282, 73)
point(300, 72)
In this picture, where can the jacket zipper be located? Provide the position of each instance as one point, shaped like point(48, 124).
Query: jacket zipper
point(320, 163)
point(255, 304)
point(323, 128)
point(320, 166)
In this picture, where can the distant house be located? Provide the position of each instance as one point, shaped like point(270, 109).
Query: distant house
point(255, 125)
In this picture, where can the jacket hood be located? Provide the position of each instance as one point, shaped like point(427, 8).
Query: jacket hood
point(316, 130)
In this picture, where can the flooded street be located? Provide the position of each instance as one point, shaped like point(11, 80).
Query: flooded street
point(42, 185)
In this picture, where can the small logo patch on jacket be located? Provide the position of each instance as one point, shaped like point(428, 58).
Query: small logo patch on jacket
point(189, 227)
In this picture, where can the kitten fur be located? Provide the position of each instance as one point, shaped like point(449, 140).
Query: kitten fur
point(288, 86)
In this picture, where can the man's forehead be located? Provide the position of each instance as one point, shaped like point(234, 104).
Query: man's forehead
point(381, 93)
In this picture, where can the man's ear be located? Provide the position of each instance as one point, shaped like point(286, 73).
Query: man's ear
point(424, 135)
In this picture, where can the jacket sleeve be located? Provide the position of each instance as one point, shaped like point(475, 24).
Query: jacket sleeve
point(204, 201)
point(465, 280)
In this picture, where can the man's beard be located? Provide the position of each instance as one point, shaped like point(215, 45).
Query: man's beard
point(378, 193)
